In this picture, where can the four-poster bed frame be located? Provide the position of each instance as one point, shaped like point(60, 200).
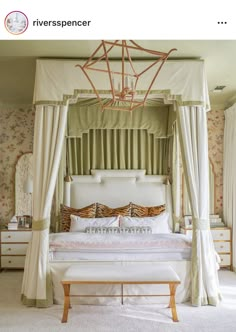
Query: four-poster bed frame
point(57, 84)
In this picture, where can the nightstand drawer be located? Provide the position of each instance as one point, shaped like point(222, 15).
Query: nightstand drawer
point(225, 260)
point(17, 236)
point(221, 234)
point(14, 249)
point(222, 246)
point(13, 262)
point(217, 234)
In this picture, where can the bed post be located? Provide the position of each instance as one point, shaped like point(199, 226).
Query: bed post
point(68, 180)
point(169, 201)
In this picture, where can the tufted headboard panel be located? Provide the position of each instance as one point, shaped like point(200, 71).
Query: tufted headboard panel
point(118, 188)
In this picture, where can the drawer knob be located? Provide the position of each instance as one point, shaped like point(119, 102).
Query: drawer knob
point(9, 262)
point(222, 246)
point(9, 249)
point(9, 236)
point(221, 234)
point(221, 259)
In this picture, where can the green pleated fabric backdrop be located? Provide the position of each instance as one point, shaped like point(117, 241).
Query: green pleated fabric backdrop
point(117, 149)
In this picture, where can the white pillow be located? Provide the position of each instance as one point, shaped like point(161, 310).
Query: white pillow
point(79, 224)
point(119, 230)
point(159, 224)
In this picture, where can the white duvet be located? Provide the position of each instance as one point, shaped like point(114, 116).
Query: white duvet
point(83, 246)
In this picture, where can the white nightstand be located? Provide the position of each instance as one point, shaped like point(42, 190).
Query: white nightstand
point(222, 241)
point(13, 245)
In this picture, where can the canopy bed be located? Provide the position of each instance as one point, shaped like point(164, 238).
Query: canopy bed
point(181, 83)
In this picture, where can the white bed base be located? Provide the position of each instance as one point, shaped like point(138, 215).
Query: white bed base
point(182, 268)
point(118, 188)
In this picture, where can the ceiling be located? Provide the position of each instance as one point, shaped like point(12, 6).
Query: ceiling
point(18, 59)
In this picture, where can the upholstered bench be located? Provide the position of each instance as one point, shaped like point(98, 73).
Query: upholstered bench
point(103, 273)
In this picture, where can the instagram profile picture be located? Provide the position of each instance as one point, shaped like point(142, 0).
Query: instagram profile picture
point(16, 22)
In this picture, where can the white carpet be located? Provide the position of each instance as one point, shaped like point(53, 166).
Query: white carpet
point(146, 318)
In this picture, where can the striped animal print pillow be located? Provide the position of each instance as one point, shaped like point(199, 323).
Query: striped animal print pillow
point(106, 211)
point(146, 211)
point(66, 211)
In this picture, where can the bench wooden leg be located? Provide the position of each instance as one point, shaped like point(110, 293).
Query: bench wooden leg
point(172, 304)
point(66, 302)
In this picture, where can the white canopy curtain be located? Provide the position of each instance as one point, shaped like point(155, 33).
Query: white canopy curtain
point(56, 83)
point(229, 175)
point(176, 179)
point(49, 131)
point(192, 125)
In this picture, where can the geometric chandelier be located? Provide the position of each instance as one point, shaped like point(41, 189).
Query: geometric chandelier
point(122, 77)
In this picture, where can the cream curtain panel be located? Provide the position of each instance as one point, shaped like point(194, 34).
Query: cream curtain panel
point(58, 193)
point(117, 149)
point(192, 125)
point(49, 132)
point(229, 175)
point(176, 176)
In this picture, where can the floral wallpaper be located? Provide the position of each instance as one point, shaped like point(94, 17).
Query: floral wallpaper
point(16, 138)
point(216, 143)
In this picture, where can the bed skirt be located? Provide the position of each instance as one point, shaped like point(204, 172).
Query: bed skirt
point(182, 268)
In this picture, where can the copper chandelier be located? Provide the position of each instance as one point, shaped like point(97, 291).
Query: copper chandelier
point(124, 79)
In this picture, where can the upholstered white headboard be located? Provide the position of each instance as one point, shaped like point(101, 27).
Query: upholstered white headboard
point(117, 188)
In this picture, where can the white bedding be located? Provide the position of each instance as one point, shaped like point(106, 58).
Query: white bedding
point(75, 247)
point(119, 247)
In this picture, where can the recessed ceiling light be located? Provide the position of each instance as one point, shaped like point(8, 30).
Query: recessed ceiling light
point(219, 88)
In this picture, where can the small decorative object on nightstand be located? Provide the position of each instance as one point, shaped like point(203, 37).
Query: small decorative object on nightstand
point(222, 242)
point(13, 245)
point(13, 224)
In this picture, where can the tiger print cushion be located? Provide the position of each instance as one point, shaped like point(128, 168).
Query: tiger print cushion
point(106, 211)
point(85, 212)
point(146, 211)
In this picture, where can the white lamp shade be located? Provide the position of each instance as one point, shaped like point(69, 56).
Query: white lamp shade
point(28, 186)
